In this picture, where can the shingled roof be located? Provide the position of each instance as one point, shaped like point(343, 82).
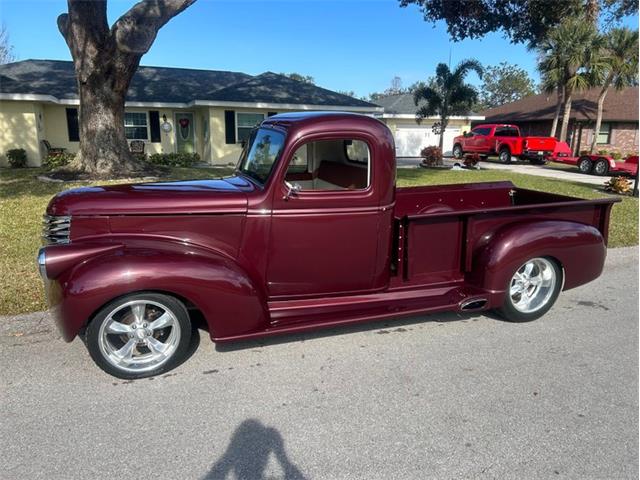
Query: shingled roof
point(619, 106)
point(174, 85)
point(402, 104)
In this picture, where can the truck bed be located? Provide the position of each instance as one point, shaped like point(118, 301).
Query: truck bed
point(464, 217)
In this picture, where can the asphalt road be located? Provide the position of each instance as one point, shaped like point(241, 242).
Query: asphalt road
point(441, 396)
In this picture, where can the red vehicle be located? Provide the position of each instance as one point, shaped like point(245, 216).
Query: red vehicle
point(504, 141)
point(594, 163)
point(309, 232)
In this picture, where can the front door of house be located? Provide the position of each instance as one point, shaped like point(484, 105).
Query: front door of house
point(185, 133)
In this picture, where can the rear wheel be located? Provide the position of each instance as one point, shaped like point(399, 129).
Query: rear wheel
point(139, 335)
point(585, 165)
point(601, 167)
point(457, 151)
point(504, 155)
point(532, 290)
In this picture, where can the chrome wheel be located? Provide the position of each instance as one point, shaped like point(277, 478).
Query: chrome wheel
point(585, 165)
point(504, 156)
point(601, 167)
point(533, 285)
point(139, 336)
point(457, 152)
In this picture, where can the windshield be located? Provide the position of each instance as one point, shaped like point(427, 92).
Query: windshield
point(261, 153)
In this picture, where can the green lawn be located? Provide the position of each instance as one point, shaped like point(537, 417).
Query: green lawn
point(24, 200)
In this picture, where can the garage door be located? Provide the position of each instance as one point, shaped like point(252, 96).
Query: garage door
point(410, 140)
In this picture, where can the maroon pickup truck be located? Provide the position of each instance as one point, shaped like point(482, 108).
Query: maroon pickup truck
point(309, 232)
point(504, 141)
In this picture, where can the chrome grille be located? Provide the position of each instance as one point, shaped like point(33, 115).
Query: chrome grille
point(55, 229)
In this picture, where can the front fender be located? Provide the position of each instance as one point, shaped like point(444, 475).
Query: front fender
point(230, 301)
point(579, 248)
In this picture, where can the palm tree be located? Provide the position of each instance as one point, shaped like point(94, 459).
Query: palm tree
point(618, 68)
point(446, 94)
point(566, 55)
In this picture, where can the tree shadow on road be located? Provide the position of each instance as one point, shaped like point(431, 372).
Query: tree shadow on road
point(247, 455)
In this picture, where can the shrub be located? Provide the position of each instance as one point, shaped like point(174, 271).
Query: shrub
point(616, 155)
point(471, 160)
point(603, 152)
point(174, 159)
point(57, 160)
point(431, 156)
point(17, 157)
point(619, 185)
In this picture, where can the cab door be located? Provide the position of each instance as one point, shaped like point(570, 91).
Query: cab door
point(325, 221)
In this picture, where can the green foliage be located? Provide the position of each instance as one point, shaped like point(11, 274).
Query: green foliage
point(446, 94)
point(174, 159)
point(300, 78)
point(504, 83)
point(17, 157)
point(431, 156)
point(616, 156)
point(57, 160)
point(522, 21)
point(567, 53)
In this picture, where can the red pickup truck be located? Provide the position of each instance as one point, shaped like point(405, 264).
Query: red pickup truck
point(311, 231)
point(504, 141)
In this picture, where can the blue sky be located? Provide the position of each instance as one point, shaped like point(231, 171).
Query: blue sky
point(344, 45)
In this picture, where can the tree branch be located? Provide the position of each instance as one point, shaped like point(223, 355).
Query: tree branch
point(136, 30)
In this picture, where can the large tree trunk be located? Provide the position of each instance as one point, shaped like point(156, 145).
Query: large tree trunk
point(556, 116)
point(601, 97)
point(565, 117)
point(104, 150)
point(105, 60)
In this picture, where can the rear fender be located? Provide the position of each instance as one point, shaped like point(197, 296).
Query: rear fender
point(578, 248)
point(230, 301)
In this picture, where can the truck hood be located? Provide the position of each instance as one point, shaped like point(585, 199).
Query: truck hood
point(223, 195)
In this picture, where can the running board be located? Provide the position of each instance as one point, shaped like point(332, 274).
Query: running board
point(376, 305)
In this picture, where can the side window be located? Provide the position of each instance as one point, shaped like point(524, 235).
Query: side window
point(299, 162)
point(480, 131)
point(343, 164)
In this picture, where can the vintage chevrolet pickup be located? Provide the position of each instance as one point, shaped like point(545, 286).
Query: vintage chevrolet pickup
point(309, 232)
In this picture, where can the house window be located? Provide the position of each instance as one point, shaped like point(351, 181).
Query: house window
point(245, 123)
point(604, 135)
point(135, 126)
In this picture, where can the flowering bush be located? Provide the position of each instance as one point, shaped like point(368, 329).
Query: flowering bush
point(471, 160)
point(431, 156)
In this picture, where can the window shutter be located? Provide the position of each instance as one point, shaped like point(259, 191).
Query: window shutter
point(230, 126)
point(72, 125)
point(271, 114)
point(154, 125)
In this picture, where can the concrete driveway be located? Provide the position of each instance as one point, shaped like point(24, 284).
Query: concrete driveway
point(550, 170)
point(440, 396)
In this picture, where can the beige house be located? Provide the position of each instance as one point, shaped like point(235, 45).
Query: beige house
point(169, 109)
point(400, 115)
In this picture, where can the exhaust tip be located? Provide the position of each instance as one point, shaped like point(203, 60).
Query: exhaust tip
point(473, 304)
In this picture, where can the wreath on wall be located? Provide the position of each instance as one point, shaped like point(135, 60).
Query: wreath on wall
point(184, 128)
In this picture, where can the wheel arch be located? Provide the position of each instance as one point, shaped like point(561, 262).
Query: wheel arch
point(578, 249)
point(230, 301)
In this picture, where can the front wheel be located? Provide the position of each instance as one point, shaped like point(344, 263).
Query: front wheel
point(139, 335)
point(532, 290)
point(457, 151)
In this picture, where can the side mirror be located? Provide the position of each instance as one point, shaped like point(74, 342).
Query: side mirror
point(292, 189)
point(466, 134)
